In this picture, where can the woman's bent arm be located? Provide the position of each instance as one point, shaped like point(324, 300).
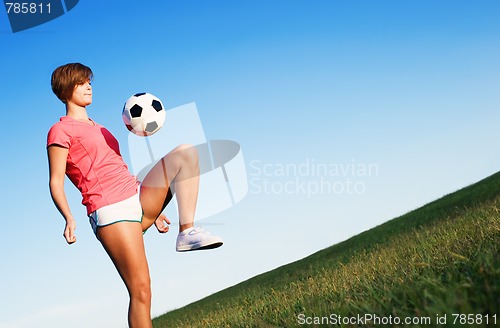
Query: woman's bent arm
point(57, 169)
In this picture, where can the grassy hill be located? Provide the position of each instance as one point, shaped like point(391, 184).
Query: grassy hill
point(441, 259)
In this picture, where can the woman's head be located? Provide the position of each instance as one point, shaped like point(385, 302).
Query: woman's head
point(65, 78)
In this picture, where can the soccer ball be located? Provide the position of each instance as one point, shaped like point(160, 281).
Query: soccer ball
point(143, 114)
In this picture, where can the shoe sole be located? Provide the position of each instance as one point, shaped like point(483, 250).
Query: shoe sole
point(188, 248)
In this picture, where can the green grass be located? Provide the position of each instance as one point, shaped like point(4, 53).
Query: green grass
point(443, 258)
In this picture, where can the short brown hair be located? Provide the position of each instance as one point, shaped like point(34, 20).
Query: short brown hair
point(66, 77)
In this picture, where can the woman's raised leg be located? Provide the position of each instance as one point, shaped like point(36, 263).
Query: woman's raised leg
point(177, 172)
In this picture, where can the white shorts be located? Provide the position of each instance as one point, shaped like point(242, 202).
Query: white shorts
point(128, 210)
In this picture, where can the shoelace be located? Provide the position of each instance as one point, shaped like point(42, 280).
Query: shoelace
point(199, 229)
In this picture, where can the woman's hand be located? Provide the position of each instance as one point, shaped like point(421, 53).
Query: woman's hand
point(160, 223)
point(69, 231)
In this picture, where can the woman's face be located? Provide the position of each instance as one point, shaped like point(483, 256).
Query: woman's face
point(82, 95)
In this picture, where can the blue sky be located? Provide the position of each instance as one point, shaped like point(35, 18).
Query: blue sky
point(408, 86)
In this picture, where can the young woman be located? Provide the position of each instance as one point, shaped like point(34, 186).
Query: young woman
point(119, 208)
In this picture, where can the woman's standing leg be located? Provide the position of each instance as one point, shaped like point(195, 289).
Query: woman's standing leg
point(123, 241)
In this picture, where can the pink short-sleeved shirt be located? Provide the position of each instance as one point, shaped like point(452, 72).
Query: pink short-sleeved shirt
point(94, 163)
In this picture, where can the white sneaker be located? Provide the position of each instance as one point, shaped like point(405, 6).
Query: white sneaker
point(193, 239)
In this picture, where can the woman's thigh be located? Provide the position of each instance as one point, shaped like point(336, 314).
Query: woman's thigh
point(155, 193)
point(124, 243)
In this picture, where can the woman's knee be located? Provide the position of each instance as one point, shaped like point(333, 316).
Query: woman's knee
point(187, 152)
point(141, 290)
